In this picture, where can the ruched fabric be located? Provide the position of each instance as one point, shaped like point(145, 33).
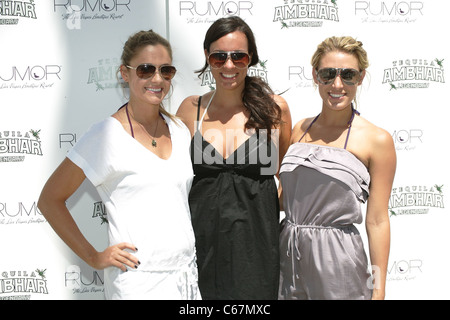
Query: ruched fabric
point(321, 251)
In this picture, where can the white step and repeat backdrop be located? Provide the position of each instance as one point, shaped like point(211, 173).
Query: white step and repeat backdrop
point(58, 63)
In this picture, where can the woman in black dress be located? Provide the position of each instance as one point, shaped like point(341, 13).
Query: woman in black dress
point(240, 132)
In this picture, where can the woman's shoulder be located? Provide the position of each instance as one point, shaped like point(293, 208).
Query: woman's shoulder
point(299, 128)
point(187, 111)
point(188, 107)
point(190, 103)
point(102, 127)
point(279, 99)
point(371, 143)
point(377, 135)
point(281, 102)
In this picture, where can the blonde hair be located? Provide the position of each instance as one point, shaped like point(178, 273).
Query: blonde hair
point(345, 44)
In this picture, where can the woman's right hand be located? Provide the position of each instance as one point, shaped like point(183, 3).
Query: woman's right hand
point(116, 256)
point(52, 203)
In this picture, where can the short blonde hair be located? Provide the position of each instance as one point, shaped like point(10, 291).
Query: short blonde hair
point(345, 44)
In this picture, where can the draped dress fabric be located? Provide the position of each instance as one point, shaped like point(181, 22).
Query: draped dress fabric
point(235, 216)
point(321, 251)
point(146, 199)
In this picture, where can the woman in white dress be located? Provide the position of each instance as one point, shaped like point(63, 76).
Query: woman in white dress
point(138, 160)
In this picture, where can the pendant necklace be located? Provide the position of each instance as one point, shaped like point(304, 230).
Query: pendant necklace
point(154, 144)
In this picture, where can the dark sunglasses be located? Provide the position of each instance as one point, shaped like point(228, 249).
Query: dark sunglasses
point(348, 76)
point(240, 59)
point(147, 70)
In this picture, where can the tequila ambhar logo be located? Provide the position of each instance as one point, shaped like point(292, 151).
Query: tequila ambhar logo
point(13, 284)
point(104, 75)
point(412, 200)
point(258, 70)
point(209, 11)
point(14, 144)
point(100, 212)
point(305, 13)
point(11, 11)
point(414, 73)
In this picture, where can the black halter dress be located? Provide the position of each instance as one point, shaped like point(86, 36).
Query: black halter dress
point(235, 215)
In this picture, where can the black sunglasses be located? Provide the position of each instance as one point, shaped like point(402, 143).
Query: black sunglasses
point(348, 76)
point(240, 59)
point(147, 70)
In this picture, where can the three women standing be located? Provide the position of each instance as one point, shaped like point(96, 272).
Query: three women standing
point(138, 161)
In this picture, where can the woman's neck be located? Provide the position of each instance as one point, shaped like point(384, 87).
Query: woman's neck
point(145, 114)
point(335, 118)
point(228, 100)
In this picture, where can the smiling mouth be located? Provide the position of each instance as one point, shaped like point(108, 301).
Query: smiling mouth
point(335, 95)
point(154, 90)
point(229, 76)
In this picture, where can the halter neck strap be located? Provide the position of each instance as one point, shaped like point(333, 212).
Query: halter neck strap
point(129, 121)
point(199, 125)
point(350, 122)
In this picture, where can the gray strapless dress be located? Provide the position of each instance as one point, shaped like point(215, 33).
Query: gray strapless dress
point(321, 252)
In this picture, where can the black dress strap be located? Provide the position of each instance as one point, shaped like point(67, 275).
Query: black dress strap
point(122, 106)
point(198, 110)
point(198, 107)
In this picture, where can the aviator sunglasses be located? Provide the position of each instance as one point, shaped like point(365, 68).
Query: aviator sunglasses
point(147, 70)
point(348, 76)
point(240, 59)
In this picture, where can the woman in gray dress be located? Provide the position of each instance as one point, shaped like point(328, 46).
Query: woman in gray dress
point(335, 161)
